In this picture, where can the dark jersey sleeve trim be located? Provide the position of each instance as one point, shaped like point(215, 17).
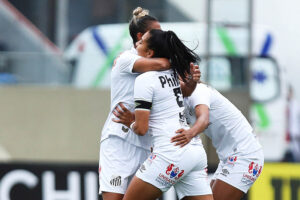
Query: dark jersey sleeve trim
point(141, 104)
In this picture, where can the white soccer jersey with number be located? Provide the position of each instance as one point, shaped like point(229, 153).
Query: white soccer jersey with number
point(162, 89)
point(228, 129)
point(122, 84)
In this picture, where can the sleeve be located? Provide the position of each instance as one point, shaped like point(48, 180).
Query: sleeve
point(143, 92)
point(201, 95)
point(126, 61)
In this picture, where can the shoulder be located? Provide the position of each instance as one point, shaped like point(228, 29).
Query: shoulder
point(201, 87)
point(146, 79)
point(127, 54)
point(202, 91)
point(126, 60)
point(147, 75)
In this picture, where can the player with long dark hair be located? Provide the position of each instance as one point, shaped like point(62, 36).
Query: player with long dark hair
point(159, 113)
point(121, 151)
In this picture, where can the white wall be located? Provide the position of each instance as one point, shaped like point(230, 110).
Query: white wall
point(284, 17)
point(195, 9)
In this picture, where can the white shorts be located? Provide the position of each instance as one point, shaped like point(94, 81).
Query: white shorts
point(240, 171)
point(188, 176)
point(119, 160)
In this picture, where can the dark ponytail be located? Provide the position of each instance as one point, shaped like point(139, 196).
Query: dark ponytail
point(166, 44)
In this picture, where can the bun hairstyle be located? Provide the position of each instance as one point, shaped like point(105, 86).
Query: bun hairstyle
point(166, 44)
point(140, 22)
point(139, 12)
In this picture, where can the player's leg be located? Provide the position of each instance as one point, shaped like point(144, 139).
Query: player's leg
point(212, 183)
point(119, 161)
point(111, 181)
point(154, 177)
point(139, 189)
point(112, 196)
point(237, 175)
point(200, 197)
point(223, 191)
point(194, 185)
point(217, 172)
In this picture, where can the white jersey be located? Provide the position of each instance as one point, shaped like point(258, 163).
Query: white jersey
point(122, 84)
point(228, 129)
point(162, 89)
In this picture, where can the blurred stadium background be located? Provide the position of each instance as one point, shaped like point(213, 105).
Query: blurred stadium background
point(55, 59)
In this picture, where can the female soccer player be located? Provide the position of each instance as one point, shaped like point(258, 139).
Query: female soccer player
point(121, 151)
point(159, 113)
point(240, 154)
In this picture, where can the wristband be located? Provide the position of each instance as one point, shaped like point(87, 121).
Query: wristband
point(131, 125)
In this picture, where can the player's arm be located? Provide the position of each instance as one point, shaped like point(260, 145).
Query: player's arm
point(189, 86)
point(202, 115)
point(142, 113)
point(141, 124)
point(124, 116)
point(142, 64)
point(138, 120)
point(185, 136)
point(143, 93)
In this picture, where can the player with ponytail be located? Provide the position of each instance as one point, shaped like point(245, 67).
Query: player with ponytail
point(121, 151)
point(158, 114)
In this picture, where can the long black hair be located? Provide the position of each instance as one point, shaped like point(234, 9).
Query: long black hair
point(166, 44)
point(140, 22)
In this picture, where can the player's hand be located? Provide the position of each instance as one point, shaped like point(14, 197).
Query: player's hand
point(124, 116)
point(195, 73)
point(183, 138)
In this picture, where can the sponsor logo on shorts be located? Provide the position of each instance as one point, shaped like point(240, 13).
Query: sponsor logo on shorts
point(174, 172)
point(125, 129)
point(116, 181)
point(231, 160)
point(225, 172)
point(165, 180)
point(248, 179)
point(171, 175)
point(254, 171)
point(151, 158)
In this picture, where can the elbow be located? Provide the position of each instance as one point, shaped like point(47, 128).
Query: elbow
point(141, 130)
point(165, 66)
point(203, 122)
point(206, 122)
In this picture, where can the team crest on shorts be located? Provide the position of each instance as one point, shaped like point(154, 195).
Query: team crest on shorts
point(254, 171)
point(170, 176)
point(116, 181)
